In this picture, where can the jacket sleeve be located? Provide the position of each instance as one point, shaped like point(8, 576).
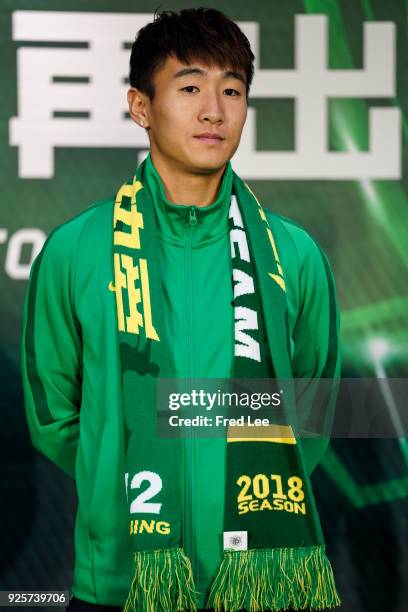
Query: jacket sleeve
point(317, 352)
point(51, 353)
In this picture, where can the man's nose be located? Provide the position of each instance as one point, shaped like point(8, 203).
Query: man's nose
point(212, 111)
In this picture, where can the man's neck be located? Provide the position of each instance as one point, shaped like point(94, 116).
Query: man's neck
point(183, 187)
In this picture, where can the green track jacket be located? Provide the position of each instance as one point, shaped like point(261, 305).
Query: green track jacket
point(72, 382)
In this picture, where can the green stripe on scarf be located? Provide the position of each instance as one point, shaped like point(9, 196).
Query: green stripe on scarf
point(285, 564)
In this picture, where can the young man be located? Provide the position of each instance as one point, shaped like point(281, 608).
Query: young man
point(183, 275)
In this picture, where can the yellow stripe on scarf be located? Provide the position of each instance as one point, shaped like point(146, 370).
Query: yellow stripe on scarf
point(282, 434)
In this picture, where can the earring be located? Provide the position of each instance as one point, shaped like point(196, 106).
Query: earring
point(142, 122)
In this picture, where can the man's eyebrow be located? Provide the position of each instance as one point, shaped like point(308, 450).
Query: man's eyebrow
point(185, 71)
point(235, 75)
point(194, 70)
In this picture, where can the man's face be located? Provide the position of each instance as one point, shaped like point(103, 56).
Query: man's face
point(196, 117)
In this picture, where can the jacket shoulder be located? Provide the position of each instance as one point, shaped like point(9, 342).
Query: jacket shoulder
point(63, 240)
point(294, 239)
point(58, 254)
point(70, 231)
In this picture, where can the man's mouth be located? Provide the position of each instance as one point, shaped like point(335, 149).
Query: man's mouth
point(210, 137)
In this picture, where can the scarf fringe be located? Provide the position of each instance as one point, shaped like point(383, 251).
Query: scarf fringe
point(274, 579)
point(163, 582)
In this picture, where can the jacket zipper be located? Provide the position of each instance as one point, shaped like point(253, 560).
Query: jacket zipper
point(192, 217)
point(189, 511)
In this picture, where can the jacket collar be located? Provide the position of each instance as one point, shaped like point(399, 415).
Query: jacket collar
point(174, 221)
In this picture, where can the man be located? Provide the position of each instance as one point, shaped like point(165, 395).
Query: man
point(108, 313)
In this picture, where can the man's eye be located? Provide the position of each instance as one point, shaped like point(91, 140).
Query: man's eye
point(189, 88)
point(231, 92)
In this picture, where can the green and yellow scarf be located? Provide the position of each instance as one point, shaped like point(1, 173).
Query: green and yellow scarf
point(284, 563)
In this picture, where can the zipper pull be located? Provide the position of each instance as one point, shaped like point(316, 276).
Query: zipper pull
point(192, 217)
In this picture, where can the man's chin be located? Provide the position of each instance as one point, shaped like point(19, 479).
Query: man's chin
point(207, 164)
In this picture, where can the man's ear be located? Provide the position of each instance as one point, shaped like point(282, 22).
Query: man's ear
point(137, 101)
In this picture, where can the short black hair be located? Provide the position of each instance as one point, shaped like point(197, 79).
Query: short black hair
point(188, 35)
